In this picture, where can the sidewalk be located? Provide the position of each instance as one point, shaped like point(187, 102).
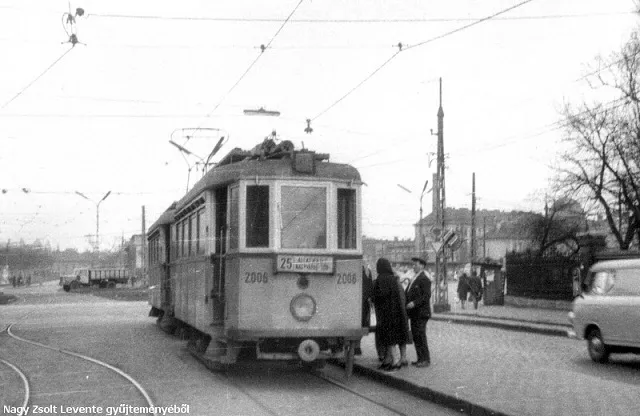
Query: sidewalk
point(541, 321)
point(506, 375)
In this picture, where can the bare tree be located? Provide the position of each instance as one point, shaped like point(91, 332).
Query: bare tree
point(602, 160)
point(556, 232)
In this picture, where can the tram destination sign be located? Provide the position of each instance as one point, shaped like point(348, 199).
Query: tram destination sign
point(304, 264)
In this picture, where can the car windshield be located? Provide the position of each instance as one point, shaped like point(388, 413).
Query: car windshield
point(602, 282)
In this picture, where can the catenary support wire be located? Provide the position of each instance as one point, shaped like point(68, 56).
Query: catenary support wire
point(404, 48)
point(36, 78)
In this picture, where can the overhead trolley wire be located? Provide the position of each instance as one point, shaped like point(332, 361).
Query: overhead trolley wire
point(401, 49)
point(255, 60)
point(36, 78)
point(349, 21)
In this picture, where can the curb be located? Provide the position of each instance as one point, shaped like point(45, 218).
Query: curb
point(502, 318)
point(519, 326)
point(424, 393)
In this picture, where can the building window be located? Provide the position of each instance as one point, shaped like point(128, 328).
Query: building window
point(347, 218)
point(257, 220)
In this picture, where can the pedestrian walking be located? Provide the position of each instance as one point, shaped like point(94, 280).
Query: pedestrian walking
point(463, 288)
point(367, 293)
point(392, 327)
point(475, 288)
point(419, 310)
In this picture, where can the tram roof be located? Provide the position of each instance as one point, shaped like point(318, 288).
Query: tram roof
point(266, 169)
point(165, 218)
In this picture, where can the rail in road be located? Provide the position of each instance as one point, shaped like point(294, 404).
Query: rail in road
point(27, 389)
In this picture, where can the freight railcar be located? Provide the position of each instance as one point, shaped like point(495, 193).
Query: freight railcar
point(262, 259)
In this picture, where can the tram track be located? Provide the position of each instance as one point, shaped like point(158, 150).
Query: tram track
point(337, 383)
point(28, 390)
point(235, 379)
point(25, 382)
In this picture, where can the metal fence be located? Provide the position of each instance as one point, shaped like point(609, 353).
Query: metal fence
point(540, 277)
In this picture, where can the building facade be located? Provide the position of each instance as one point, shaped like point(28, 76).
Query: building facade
point(496, 233)
point(397, 251)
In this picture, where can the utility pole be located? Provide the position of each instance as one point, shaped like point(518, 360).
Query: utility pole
point(473, 218)
point(441, 303)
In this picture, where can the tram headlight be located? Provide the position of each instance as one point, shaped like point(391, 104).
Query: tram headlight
point(303, 307)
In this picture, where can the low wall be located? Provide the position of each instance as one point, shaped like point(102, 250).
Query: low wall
point(523, 302)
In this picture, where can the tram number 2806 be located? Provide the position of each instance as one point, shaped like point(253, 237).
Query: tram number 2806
point(347, 278)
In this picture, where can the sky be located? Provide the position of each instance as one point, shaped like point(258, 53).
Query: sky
point(98, 116)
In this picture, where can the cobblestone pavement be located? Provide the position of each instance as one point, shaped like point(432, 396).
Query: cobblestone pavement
point(489, 370)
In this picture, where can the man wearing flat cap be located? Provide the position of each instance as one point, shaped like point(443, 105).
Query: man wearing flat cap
point(419, 310)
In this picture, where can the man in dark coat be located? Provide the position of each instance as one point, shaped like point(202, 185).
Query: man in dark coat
point(475, 288)
point(419, 310)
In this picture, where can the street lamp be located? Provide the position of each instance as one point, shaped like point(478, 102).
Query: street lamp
point(424, 189)
point(97, 215)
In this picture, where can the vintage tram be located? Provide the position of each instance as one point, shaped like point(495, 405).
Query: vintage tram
point(262, 259)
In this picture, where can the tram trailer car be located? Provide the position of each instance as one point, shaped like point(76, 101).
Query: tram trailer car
point(262, 258)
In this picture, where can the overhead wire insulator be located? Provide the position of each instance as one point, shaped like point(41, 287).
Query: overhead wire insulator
point(262, 48)
point(69, 24)
point(308, 129)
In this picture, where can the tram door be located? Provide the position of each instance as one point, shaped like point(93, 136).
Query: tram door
point(165, 287)
point(219, 257)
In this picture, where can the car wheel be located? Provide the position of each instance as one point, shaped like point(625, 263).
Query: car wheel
point(598, 350)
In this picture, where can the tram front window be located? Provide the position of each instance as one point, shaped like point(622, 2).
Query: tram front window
point(257, 216)
point(347, 219)
point(304, 217)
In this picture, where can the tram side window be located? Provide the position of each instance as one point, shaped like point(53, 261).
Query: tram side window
point(154, 250)
point(233, 218)
point(183, 240)
point(197, 229)
point(202, 231)
point(257, 220)
point(191, 247)
point(347, 219)
point(175, 253)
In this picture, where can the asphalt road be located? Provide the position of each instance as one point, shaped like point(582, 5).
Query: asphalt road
point(122, 335)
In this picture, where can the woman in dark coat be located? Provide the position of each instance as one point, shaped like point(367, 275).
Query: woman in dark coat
point(392, 326)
